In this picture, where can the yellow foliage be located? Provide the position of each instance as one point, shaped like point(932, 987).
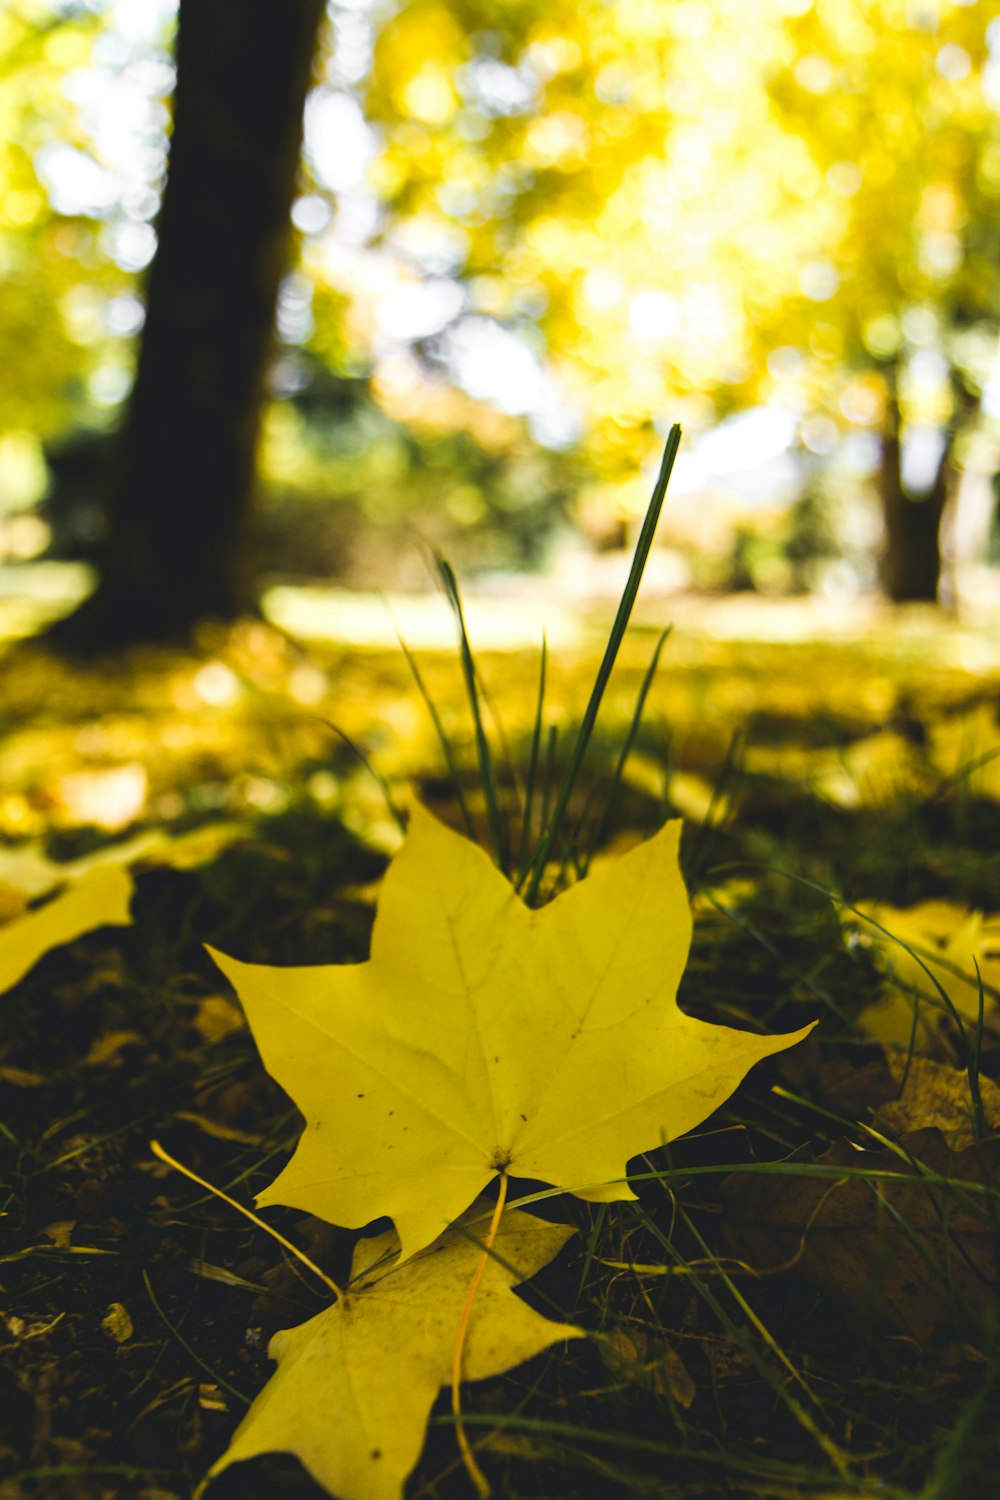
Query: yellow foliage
point(788, 184)
point(871, 772)
point(965, 747)
point(99, 898)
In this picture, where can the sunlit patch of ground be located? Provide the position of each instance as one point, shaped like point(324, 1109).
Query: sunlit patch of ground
point(858, 702)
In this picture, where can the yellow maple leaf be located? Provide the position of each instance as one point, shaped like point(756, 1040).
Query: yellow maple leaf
point(100, 897)
point(484, 1037)
point(355, 1384)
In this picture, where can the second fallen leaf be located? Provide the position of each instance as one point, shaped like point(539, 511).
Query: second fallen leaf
point(355, 1384)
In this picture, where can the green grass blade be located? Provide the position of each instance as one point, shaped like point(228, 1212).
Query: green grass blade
point(373, 771)
point(548, 779)
point(216, 1375)
point(533, 758)
point(604, 816)
point(967, 1461)
point(645, 542)
point(487, 772)
point(439, 730)
point(780, 1386)
point(969, 1055)
point(772, 1470)
point(701, 846)
point(974, 1061)
point(611, 651)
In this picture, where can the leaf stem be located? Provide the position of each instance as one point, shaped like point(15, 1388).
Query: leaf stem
point(473, 1470)
point(247, 1213)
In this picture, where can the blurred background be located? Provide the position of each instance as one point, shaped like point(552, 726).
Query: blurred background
point(519, 243)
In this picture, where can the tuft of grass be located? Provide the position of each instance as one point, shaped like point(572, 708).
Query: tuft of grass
point(546, 799)
point(797, 1390)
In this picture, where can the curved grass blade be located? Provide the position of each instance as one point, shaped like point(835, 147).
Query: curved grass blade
point(373, 771)
point(444, 741)
point(604, 816)
point(533, 756)
point(487, 771)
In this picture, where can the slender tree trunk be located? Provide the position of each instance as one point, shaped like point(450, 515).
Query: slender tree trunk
point(910, 566)
point(181, 489)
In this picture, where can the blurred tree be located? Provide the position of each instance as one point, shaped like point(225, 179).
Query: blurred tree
point(181, 485)
point(613, 175)
point(683, 214)
point(700, 215)
point(899, 316)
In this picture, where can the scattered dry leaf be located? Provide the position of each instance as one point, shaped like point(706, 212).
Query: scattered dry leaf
point(116, 1323)
point(900, 1251)
point(935, 1094)
point(646, 1357)
point(60, 1232)
point(966, 747)
point(950, 940)
point(217, 1130)
point(98, 899)
point(106, 1049)
point(217, 1017)
point(21, 1078)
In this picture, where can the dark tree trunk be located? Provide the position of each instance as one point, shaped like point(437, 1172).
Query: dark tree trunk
point(910, 566)
point(181, 489)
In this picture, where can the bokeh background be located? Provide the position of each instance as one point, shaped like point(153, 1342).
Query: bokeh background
point(524, 241)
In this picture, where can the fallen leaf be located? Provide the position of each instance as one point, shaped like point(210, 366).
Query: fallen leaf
point(700, 801)
point(25, 868)
point(106, 1048)
point(26, 872)
point(20, 1328)
point(935, 1094)
point(486, 1037)
point(898, 1251)
point(185, 851)
point(645, 1357)
point(355, 1384)
point(13, 903)
point(217, 1017)
point(21, 1077)
point(872, 772)
point(97, 900)
point(117, 1323)
point(855, 1082)
point(950, 941)
point(60, 1232)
